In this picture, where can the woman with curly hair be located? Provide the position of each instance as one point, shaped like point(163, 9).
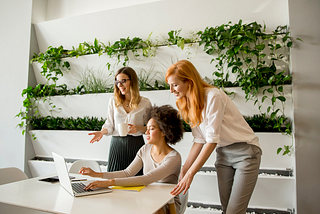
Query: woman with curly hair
point(216, 123)
point(126, 106)
point(161, 163)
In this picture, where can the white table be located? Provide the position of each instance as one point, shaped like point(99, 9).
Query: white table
point(52, 198)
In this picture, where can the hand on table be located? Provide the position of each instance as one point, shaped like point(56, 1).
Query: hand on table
point(183, 185)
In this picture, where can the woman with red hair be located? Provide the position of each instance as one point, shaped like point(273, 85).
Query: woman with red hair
point(216, 123)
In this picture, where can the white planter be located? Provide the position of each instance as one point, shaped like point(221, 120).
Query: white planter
point(201, 211)
point(269, 143)
point(94, 105)
point(75, 144)
point(43, 168)
point(70, 144)
point(271, 191)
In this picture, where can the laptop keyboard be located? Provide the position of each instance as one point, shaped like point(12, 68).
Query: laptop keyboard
point(79, 188)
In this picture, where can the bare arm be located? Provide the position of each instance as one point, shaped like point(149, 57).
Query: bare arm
point(185, 182)
point(193, 154)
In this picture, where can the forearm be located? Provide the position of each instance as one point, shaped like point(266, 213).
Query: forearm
point(104, 131)
point(201, 158)
point(98, 175)
point(193, 154)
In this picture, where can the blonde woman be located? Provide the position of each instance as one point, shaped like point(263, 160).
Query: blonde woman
point(216, 123)
point(126, 106)
point(160, 162)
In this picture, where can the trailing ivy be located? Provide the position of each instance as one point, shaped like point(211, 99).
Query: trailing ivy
point(245, 51)
point(52, 64)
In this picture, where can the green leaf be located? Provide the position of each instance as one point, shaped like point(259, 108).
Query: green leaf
point(279, 150)
point(270, 90)
point(281, 98)
point(264, 98)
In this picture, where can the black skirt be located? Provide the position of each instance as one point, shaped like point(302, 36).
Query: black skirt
point(122, 152)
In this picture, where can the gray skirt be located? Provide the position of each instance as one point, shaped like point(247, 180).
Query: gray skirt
point(122, 152)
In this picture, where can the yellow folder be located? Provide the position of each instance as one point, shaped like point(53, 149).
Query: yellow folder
point(133, 188)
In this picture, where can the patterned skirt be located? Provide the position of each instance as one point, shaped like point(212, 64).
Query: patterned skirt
point(122, 152)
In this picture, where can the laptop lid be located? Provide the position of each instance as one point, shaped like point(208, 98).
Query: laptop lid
point(64, 179)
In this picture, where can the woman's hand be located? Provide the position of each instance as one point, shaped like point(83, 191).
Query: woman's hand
point(97, 184)
point(88, 171)
point(97, 136)
point(134, 129)
point(183, 185)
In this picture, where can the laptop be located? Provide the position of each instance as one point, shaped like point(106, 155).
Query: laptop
point(76, 189)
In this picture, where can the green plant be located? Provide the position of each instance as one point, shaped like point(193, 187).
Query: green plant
point(30, 104)
point(254, 58)
point(146, 79)
point(263, 123)
point(53, 66)
point(121, 48)
point(95, 81)
point(85, 48)
point(241, 51)
point(85, 123)
point(59, 123)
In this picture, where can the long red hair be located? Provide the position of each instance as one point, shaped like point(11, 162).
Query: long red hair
point(190, 106)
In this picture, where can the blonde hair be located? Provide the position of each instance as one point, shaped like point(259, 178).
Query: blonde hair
point(190, 106)
point(134, 88)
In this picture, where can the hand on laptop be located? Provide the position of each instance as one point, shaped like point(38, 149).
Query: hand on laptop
point(97, 184)
point(90, 172)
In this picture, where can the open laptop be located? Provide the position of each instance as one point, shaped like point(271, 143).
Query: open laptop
point(76, 189)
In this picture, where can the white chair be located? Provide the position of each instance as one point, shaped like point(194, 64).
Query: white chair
point(11, 174)
point(183, 206)
point(76, 166)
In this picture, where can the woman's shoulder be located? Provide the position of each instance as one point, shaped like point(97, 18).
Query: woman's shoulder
point(145, 147)
point(211, 92)
point(144, 101)
point(174, 153)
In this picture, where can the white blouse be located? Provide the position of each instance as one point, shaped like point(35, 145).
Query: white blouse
point(119, 115)
point(222, 122)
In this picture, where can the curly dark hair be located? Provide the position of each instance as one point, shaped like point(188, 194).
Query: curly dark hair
point(168, 120)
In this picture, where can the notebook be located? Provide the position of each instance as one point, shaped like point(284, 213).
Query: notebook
point(74, 188)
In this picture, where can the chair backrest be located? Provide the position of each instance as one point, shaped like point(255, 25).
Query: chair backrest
point(76, 166)
point(11, 174)
point(184, 201)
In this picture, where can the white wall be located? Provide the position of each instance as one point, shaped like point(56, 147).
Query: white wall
point(15, 25)
point(158, 17)
point(61, 8)
point(304, 22)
